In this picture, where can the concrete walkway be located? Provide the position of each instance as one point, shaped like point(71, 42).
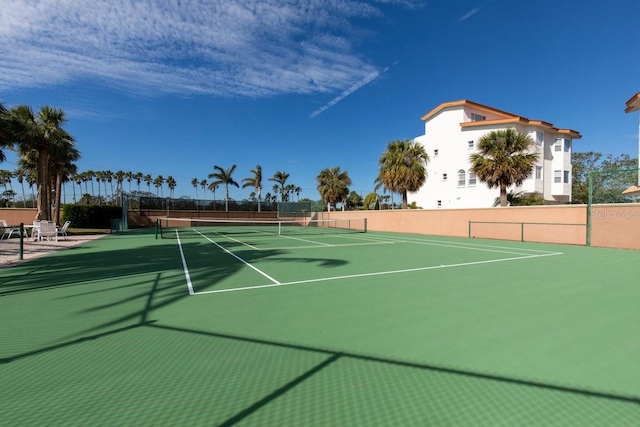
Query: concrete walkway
point(10, 249)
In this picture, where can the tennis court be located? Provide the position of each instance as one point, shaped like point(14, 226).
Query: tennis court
point(317, 327)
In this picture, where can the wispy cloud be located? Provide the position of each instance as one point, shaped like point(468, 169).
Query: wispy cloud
point(368, 79)
point(469, 14)
point(225, 48)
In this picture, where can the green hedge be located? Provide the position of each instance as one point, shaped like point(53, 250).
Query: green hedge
point(91, 216)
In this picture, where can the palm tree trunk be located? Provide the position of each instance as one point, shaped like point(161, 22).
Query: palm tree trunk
point(503, 194)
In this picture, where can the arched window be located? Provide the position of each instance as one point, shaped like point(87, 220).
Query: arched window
point(472, 178)
point(462, 178)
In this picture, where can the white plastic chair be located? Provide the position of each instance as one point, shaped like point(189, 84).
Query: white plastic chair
point(35, 229)
point(7, 231)
point(47, 229)
point(63, 230)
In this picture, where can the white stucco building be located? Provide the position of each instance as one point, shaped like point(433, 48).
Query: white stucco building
point(451, 134)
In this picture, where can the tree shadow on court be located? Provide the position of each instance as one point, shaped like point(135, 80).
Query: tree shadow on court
point(127, 282)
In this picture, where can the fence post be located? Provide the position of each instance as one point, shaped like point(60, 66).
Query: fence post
point(21, 256)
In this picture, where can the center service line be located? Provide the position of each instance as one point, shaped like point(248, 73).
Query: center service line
point(240, 259)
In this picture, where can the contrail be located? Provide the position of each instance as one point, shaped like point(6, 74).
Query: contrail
point(371, 77)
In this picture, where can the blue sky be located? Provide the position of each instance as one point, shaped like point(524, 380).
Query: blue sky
point(176, 87)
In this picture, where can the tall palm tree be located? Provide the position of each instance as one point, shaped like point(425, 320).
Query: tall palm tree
point(203, 185)
point(157, 182)
point(20, 176)
point(504, 158)
point(119, 176)
point(148, 180)
point(138, 177)
point(38, 133)
point(254, 181)
point(129, 177)
point(224, 176)
point(280, 178)
point(194, 182)
point(171, 184)
point(333, 186)
point(62, 157)
point(403, 167)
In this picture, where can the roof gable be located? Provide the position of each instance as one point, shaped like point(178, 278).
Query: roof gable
point(633, 104)
point(499, 117)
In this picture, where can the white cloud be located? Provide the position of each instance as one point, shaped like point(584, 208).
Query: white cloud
point(219, 47)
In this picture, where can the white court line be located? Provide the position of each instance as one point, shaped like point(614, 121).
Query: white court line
point(240, 259)
point(461, 245)
point(184, 266)
point(304, 240)
point(379, 273)
point(230, 238)
point(330, 246)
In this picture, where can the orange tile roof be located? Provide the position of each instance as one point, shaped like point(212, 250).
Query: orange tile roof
point(504, 117)
point(633, 104)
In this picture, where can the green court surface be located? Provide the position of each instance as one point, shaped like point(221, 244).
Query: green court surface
point(358, 329)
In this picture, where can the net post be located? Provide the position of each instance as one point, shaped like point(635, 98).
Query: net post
point(365, 225)
point(157, 228)
point(21, 254)
point(522, 231)
point(469, 229)
point(589, 202)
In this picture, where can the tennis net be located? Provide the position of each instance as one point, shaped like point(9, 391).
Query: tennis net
point(170, 228)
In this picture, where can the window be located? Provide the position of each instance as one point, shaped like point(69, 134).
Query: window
point(477, 117)
point(470, 144)
point(439, 203)
point(567, 145)
point(557, 176)
point(539, 138)
point(472, 179)
point(558, 144)
point(462, 178)
point(435, 153)
point(444, 176)
point(566, 177)
point(538, 172)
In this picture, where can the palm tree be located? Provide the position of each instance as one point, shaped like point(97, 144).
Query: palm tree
point(333, 186)
point(504, 158)
point(62, 157)
point(38, 133)
point(138, 176)
point(280, 178)
point(403, 167)
point(255, 181)
point(171, 184)
point(224, 176)
point(6, 134)
point(157, 182)
point(129, 177)
point(119, 176)
point(148, 180)
point(203, 185)
point(20, 176)
point(194, 182)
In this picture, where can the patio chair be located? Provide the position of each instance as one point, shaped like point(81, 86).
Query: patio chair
point(63, 230)
point(47, 229)
point(6, 230)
